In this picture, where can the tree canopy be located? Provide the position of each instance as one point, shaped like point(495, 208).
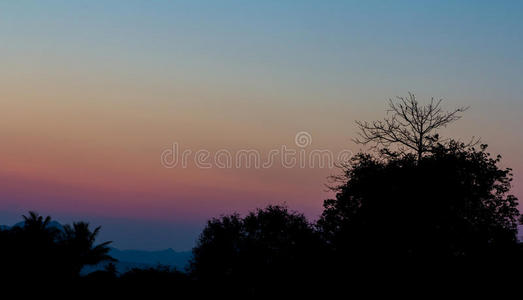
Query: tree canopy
point(452, 203)
point(268, 245)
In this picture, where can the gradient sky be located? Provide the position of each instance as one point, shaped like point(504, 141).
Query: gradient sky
point(91, 93)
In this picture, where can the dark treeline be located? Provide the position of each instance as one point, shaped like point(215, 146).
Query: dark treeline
point(429, 207)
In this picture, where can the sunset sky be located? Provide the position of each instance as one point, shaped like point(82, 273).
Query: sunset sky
point(92, 93)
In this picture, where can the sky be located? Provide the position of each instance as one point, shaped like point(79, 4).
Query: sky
point(92, 93)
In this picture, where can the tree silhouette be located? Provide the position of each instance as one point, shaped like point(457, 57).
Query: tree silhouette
point(35, 222)
point(453, 203)
point(38, 252)
point(78, 243)
point(271, 245)
point(409, 125)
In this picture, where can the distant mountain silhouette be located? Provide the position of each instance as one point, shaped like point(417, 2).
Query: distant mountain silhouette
point(165, 257)
point(129, 259)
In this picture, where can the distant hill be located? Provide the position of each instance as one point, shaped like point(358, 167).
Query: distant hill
point(128, 259)
point(164, 257)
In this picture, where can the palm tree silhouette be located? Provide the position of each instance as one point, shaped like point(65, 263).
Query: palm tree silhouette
point(34, 220)
point(79, 246)
point(37, 229)
point(34, 223)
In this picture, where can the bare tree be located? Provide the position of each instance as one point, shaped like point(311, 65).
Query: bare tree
point(409, 125)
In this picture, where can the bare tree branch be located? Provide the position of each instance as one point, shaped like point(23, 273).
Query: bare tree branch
point(409, 125)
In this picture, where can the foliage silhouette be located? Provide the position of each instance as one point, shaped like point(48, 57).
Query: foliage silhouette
point(452, 204)
point(260, 252)
point(36, 251)
point(79, 248)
